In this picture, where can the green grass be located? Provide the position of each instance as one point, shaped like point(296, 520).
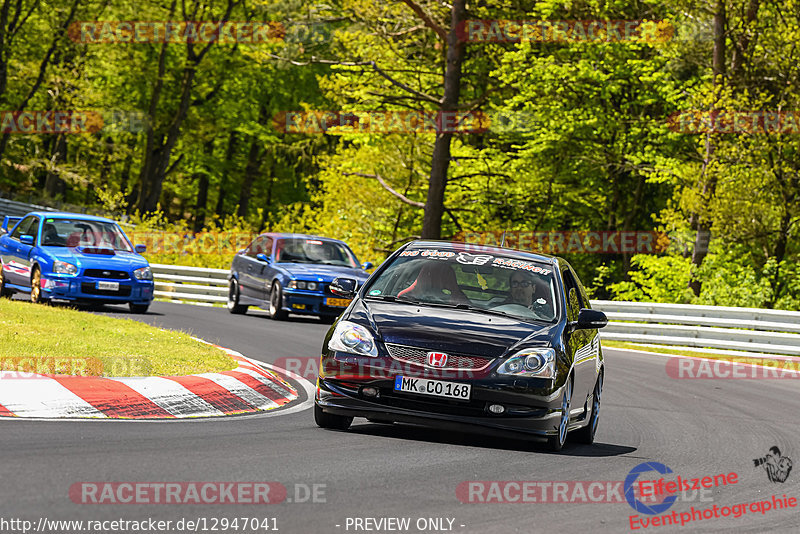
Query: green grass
point(678, 352)
point(57, 339)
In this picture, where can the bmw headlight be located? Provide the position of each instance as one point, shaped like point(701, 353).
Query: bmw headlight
point(62, 267)
point(143, 273)
point(353, 338)
point(534, 363)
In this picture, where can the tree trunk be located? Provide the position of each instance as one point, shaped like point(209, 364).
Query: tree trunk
point(223, 185)
point(440, 161)
point(703, 235)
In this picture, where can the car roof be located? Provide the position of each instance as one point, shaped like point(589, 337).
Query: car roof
point(68, 215)
point(281, 235)
point(484, 249)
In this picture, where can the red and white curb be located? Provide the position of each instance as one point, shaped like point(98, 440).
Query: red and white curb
point(247, 389)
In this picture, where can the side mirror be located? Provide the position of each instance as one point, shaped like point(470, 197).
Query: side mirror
point(367, 265)
point(590, 319)
point(140, 249)
point(26, 239)
point(344, 287)
point(263, 257)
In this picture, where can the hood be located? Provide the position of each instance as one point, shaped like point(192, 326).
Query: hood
point(315, 271)
point(448, 329)
point(123, 261)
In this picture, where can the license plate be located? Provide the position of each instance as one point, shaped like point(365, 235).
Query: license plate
point(339, 303)
point(108, 286)
point(436, 388)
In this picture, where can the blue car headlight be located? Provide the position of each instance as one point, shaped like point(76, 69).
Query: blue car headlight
point(353, 338)
point(144, 273)
point(62, 267)
point(533, 363)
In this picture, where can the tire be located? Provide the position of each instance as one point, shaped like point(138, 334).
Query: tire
point(138, 308)
point(331, 421)
point(233, 299)
point(556, 442)
point(36, 287)
point(587, 433)
point(4, 292)
point(275, 301)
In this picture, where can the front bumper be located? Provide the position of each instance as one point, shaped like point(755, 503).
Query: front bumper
point(531, 408)
point(309, 303)
point(60, 287)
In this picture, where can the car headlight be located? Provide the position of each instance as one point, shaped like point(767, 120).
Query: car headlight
point(143, 273)
point(62, 267)
point(312, 286)
point(354, 338)
point(538, 363)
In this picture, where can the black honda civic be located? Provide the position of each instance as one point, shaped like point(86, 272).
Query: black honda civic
point(469, 338)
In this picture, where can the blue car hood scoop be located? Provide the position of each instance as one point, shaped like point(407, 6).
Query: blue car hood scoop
point(99, 251)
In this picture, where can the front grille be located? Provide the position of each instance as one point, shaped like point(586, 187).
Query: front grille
point(91, 289)
point(420, 357)
point(107, 274)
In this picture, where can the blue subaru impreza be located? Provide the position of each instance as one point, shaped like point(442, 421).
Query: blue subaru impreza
point(73, 257)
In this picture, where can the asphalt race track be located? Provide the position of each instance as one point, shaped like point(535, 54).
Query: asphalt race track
point(696, 427)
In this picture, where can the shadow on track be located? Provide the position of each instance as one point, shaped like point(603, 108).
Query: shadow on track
point(432, 435)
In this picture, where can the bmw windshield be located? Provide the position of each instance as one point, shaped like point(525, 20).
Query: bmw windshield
point(301, 250)
point(499, 284)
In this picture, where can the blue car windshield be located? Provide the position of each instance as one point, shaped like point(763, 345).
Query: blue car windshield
point(81, 233)
point(500, 284)
point(306, 250)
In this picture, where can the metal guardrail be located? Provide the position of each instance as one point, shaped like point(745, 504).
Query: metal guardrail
point(717, 327)
point(18, 209)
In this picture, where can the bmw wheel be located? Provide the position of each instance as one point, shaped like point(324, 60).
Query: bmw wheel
point(557, 441)
point(233, 299)
point(586, 434)
point(276, 302)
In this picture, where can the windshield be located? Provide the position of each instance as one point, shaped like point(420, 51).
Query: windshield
point(314, 251)
point(82, 233)
point(497, 284)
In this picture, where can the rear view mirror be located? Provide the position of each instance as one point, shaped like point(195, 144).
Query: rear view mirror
point(140, 249)
point(26, 239)
point(344, 287)
point(263, 257)
point(367, 265)
point(590, 319)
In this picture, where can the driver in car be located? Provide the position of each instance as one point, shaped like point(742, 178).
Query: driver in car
point(522, 291)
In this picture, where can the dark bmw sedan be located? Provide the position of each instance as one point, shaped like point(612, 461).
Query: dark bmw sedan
point(292, 273)
point(467, 338)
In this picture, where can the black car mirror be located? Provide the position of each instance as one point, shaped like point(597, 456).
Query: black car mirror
point(590, 319)
point(26, 239)
point(344, 287)
point(140, 249)
point(367, 265)
point(263, 257)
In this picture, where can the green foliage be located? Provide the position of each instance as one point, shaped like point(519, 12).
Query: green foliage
point(656, 279)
